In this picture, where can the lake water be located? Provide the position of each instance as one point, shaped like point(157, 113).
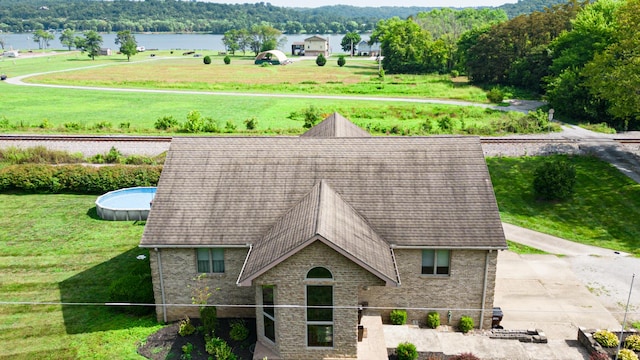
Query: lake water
point(24, 42)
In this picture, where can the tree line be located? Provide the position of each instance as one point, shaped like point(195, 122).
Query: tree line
point(197, 16)
point(584, 58)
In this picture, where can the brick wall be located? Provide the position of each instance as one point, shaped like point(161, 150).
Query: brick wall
point(288, 278)
point(462, 289)
point(179, 269)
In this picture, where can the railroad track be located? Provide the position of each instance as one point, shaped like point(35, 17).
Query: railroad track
point(125, 138)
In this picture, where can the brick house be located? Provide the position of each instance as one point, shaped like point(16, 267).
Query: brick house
point(316, 45)
point(306, 233)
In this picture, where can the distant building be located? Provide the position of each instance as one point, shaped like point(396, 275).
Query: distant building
point(316, 45)
point(11, 54)
point(104, 52)
point(364, 49)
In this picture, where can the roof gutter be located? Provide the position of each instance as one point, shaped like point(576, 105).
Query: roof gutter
point(419, 247)
point(193, 246)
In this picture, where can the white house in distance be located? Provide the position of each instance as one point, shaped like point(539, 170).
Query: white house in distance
point(364, 49)
point(316, 45)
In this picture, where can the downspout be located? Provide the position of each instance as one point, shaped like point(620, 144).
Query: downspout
point(484, 288)
point(164, 302)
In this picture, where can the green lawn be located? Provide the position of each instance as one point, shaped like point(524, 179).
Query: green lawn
point(54, 249)
point(51, 110)
point(603, 212)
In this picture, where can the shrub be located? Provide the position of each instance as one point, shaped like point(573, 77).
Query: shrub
point(626, 354)
point(72, 126)
point(433, 319)
point(186, 327)
point(632, 342)
point(466, 324)
point(311, 117)
point(606, 338)
point(251, 124)
point(406, 351)
point(554, 180)
point(219, 349)
point(210, 125)
point(124, 125)
point(239, 331)
point(465, 356)
point(321, 60)
point(454, 73)
point(381, 74)
point(187, 349)
point(165, 122)
point(194, 122)
point(102, 125)
point(341, 60)
point(209, 318)
point(398, 317)
point(495, 95)
point(227, 60)
point(207, 60)
point(230, 126)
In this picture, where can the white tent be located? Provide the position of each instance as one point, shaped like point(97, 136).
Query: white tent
point(275, 57)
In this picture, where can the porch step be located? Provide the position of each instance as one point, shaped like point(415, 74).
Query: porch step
point(372, 347)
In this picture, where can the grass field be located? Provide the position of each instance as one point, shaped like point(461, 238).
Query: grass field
point(39, 109)
point(53, 248)
point(603, 210)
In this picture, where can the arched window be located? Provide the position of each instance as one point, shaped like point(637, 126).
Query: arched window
point(319, 273)
point(319, 310)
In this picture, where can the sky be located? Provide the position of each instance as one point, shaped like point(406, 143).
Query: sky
point(373, 3)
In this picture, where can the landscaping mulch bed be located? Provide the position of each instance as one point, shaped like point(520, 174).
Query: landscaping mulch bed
point(166, 343)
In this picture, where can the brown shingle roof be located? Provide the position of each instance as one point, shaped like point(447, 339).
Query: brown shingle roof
point(322, 215)
point(412, 191)
point(336, 125)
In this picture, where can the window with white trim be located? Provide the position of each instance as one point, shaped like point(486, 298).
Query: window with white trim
point(435, 262)
point(210, 260)
point(319, 309)
point(268, 312)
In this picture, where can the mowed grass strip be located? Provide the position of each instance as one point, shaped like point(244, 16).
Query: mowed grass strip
point(53, 248)
point(603, 211)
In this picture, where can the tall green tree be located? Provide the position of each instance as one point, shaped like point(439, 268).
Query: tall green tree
point(613, 76)
point(42, 38)
point(350, 41)
point(90, 43)
point(127, 42)
point(68, 38)
point(232, 40)
point(403, 44)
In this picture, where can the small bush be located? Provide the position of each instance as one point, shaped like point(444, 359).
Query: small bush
point(466, 324)
point(632, 342)
point(230, 126)
point(207, 60)
point(495, 95)
point(227, 60)
point(219, 349)
point(433, 319)
point(398, 317)
point(626, 354)
point(406, 351)
point(321, 60)
point(311, 117)
point(341, 60)
point(251, 124)
point(465, 356)
point(72, 126)
point(187, 349)
point(606, 338)
point(124, 125)
point(186, 328)
point(239, 331)
point(165, 123)
point(554, 180)
point(454, 73)
point(209, 318)
point(102, 125)
point(194, 123)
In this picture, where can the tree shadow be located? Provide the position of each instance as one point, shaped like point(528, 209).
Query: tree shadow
point(84, 296)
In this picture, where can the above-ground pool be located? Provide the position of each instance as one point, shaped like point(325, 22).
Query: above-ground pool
point(126, 204)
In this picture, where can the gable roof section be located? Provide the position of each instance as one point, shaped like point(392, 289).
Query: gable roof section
point(315, 38)
point(413, 191)
point(336, 125)
point(322, 215)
